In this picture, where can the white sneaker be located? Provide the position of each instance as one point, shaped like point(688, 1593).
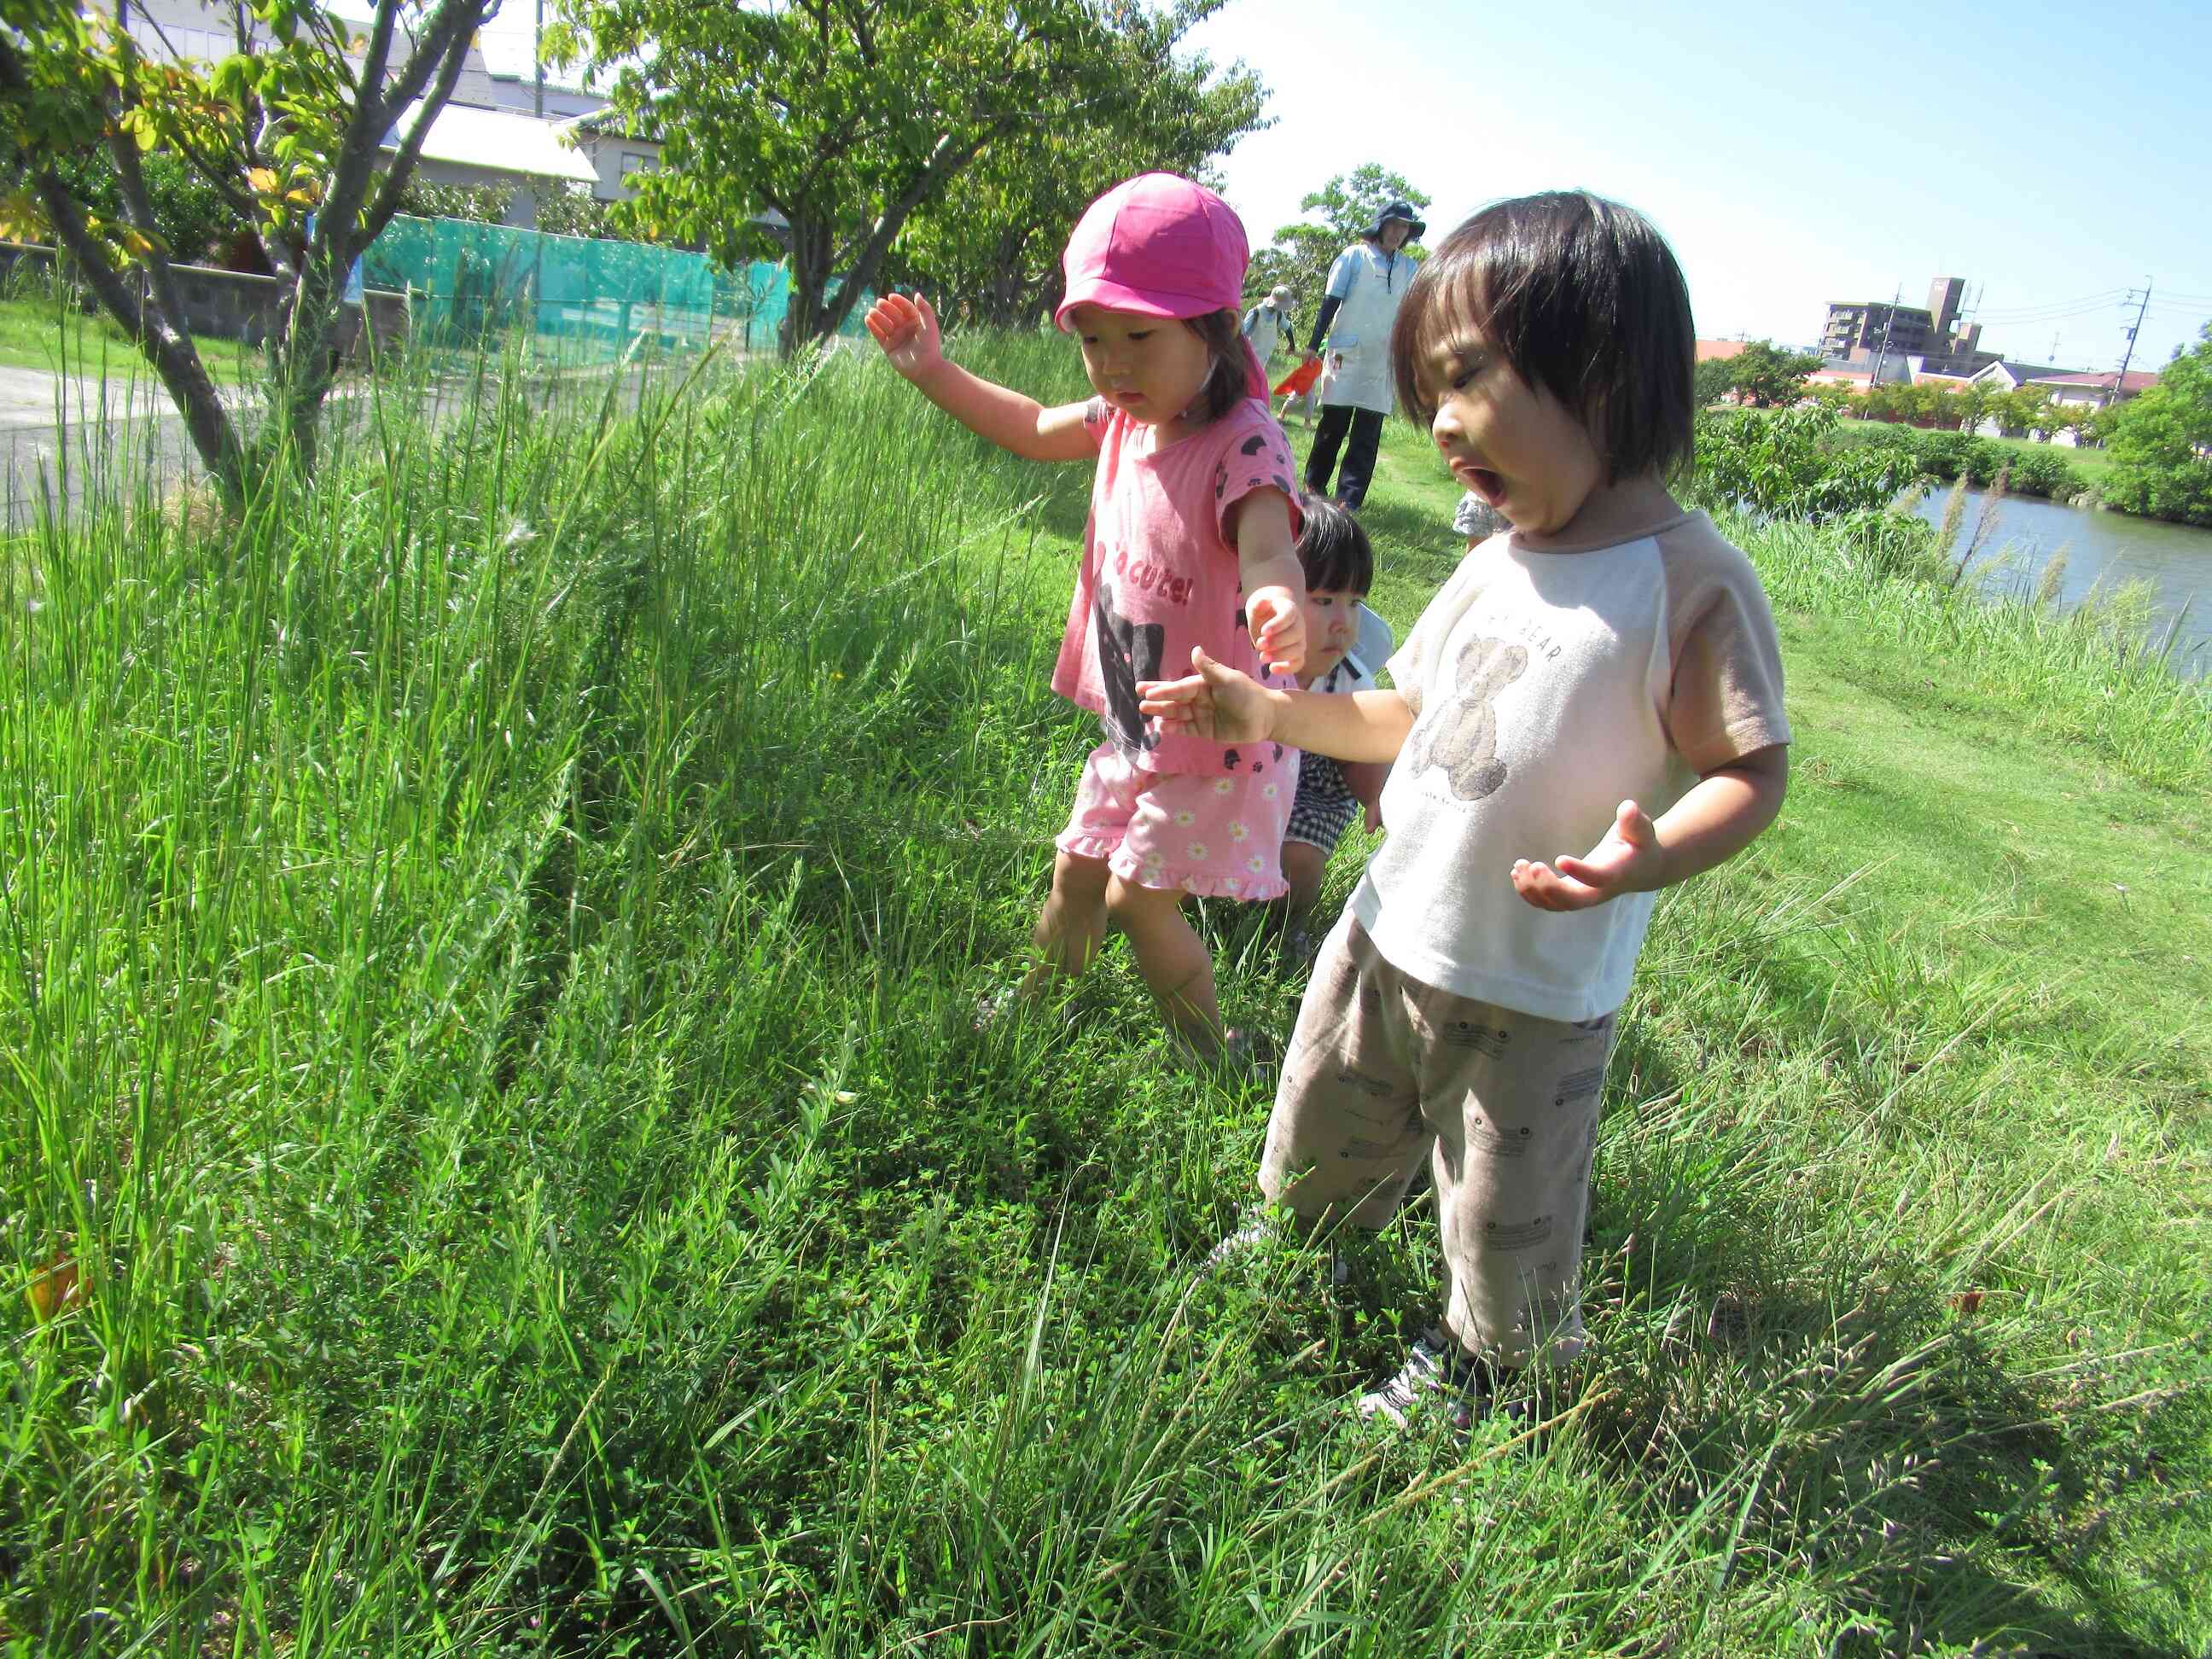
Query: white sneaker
point(1438, 1376)
point(1257, 1227)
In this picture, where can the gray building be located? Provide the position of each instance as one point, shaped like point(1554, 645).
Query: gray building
point(1857, 331)
point(503, 126)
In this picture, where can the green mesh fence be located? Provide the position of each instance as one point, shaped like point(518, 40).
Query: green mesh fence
point(471, 283)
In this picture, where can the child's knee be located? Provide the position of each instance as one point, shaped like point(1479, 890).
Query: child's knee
point(1135, 908)
point(1079, 880)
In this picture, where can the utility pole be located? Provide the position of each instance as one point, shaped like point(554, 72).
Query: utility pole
point(2120, 385)
point(1888, 322)
point(537, 56)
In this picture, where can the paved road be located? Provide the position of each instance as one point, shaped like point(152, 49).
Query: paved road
point(57, 435)
point(57, 431)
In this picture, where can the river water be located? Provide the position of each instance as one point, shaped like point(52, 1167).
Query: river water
point(2102, 551)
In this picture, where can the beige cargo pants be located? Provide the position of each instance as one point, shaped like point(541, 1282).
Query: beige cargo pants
point(1384, 1071)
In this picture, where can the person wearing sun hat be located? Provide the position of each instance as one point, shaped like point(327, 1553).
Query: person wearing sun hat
point(1269, 324)
point(1365, 286)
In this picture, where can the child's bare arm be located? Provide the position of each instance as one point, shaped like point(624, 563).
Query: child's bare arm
point(905, 329)
point(1274, 582)
point(1720, 815)
point(1222, 706)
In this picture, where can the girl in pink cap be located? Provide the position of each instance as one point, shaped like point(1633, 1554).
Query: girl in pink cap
point(1190, 542)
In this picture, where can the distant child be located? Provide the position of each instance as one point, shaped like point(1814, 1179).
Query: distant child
point(1188, 547)
point(1608, 645)
point(1477, 520)
point(1269, 324)
point(1305, 386)
point(1346, 643)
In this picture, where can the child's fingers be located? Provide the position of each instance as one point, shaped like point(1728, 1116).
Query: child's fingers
point(1166, 697)
point(891, 327)
point(1549, 888)
point(1216, 675)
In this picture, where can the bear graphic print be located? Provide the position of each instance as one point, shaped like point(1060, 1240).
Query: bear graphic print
point(1460, 738)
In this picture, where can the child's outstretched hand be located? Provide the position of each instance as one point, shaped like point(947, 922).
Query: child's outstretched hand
point(907, 331)
point(1626, 861)
point(1217, 704)
point(1278, 623)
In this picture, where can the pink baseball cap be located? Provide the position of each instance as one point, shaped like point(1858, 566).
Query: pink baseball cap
point(1159, 246)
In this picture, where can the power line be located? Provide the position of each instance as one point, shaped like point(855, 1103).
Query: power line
point(2044, 313)
point(2007, 313)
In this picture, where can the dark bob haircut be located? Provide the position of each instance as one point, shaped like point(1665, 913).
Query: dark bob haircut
point(1332, 549)
point(1224, 387)
point(1583, 298)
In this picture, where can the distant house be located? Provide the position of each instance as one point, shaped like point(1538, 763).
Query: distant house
point(1709, 350)
point(1858, 376)
point(2097, 390)
point(617, 160)
point(2087, 391)
point(470, 146)
point(489, 131)
point(501, 72)
point(2006, 375)
point(1923, 374)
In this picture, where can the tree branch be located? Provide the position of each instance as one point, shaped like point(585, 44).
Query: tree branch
point(453, 19)
point(403, 160)
point(164, 346)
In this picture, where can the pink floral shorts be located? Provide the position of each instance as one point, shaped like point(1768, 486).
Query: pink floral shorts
point(1216, 835)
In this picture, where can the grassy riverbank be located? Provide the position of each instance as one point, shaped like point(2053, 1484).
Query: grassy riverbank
point(500, 1159)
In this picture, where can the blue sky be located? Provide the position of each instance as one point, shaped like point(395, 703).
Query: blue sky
point(2052, 156)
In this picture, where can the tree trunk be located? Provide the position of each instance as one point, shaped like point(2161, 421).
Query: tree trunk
point(166, 345)
point(304, 369)
point(811, 244)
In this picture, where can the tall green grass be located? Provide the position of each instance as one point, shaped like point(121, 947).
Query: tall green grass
point(501, 1158)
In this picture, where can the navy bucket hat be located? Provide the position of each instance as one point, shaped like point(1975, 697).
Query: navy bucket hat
point(1397, 210)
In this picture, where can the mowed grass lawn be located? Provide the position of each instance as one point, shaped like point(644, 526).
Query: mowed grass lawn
point(500, 1157)
point(40, 333)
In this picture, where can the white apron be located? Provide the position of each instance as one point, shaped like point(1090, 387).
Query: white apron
point(1361, 327)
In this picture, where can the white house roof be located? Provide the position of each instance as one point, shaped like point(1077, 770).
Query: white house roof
point(496, 140)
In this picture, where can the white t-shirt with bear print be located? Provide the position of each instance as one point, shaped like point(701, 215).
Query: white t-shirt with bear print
point(1547, 686)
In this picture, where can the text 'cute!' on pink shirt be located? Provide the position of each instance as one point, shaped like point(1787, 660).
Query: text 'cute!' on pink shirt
point(1159, 573)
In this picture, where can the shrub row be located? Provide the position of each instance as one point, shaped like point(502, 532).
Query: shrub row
point(1946, 455)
